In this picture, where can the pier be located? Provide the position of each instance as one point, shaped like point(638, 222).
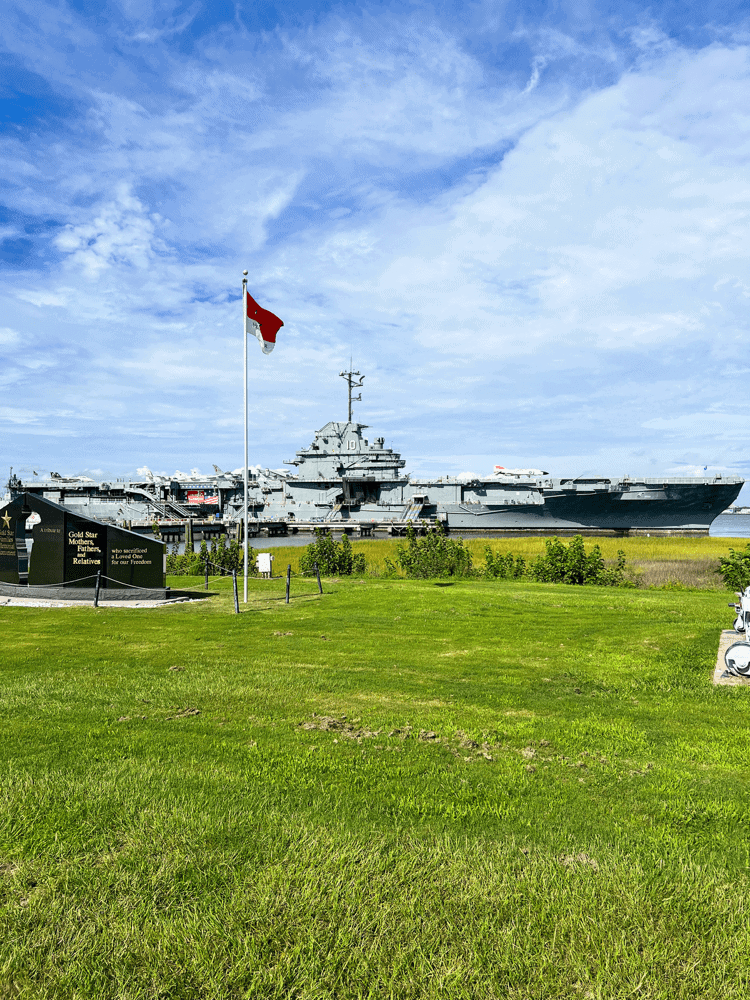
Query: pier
point(177, 532)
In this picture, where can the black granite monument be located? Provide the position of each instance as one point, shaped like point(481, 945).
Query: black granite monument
point(71, 549)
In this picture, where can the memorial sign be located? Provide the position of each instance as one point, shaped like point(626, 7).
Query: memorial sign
point(8, 551)
point(72, 549)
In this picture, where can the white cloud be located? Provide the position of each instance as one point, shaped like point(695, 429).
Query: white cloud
point(541, 273)
point(121, 233)
point(9, 337)
point(584, 230)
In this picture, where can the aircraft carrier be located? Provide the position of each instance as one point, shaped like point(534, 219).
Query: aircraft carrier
point(348, 482)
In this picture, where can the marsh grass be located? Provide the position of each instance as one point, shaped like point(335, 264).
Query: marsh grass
point(402, 789)
point(699, 573)
point(652, 561)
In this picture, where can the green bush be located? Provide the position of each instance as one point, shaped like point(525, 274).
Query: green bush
point(734, 569)
point(333, 558)
point(572, 564)
point(433, 555)
point(560, 563)
point(229, 556)
point(390, 569)
point(187, 564)
point(224, 556)
point(508, 567)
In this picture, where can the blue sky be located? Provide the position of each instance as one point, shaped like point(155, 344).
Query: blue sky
point(526, 222)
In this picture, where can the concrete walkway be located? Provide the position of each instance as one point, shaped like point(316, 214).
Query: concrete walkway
point(31, 602)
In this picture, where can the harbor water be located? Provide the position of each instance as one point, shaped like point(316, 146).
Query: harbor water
point(731, 526)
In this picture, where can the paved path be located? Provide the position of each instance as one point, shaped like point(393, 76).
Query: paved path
point(31, 602)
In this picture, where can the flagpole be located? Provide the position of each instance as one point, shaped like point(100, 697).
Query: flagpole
point(244, 523)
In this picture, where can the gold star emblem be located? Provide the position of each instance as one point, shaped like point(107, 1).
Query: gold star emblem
point(6, 520)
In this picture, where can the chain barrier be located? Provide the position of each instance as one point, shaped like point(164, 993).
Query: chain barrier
point(65, 583)
point(98, 577)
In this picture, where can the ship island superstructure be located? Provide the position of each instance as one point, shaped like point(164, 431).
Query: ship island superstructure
point(346, 481)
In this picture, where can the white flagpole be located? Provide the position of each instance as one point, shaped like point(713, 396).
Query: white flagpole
point(244, 524)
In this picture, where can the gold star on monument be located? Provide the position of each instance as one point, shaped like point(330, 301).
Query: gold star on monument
point(6, 520)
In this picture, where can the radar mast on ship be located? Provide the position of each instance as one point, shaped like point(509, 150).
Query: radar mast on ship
point(352, 383)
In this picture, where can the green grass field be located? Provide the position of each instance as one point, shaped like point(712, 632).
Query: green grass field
point(401, 789)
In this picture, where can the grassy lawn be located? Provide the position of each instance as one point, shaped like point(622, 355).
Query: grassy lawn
point(401, 789)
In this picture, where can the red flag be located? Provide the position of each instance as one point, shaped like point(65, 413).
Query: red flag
point(266, 324)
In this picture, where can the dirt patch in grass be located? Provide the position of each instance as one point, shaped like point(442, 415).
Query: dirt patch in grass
point(331, 724)
point(184, 713)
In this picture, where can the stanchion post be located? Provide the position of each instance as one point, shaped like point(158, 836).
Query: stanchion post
point(205, 566)
point(236, 595)
point(317, 574)
point(288, 581)
point(97, 585)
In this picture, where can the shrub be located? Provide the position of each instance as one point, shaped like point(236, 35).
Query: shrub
point(734, 569)
point(187, 564)
point(333, 558)
point(572, 564)
point(229, 556)
point(433, 554)
point(503, 567)
point(390, 569)
point(225, 557)
point(560, 563)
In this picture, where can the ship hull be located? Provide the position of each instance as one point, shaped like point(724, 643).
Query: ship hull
point(686, 508)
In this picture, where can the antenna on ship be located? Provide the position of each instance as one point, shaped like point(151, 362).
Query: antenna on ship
point(352, 383)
